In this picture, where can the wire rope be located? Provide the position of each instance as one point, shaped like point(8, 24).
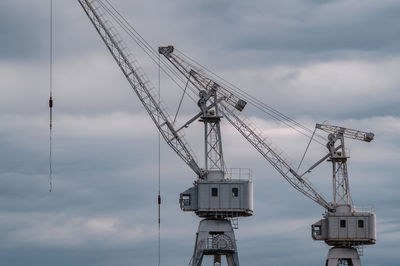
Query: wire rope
point(304, 155)
point(50, 179)
point(180, 102)
point(159, 171)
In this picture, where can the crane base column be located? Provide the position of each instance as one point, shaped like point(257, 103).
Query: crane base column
point(215, 237)
point(343, 256)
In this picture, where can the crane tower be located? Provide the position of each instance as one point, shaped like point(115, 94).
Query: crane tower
point(343, 227)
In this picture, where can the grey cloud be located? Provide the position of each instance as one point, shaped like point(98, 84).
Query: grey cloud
point(358, 29)
point(259, 32)
point(23, 33)
point(103, 208)
point(270, 31)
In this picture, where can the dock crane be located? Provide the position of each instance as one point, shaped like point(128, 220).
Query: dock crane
point(215, 196)
point(343, 227)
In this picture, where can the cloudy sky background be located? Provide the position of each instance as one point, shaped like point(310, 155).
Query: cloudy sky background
point(315, 61)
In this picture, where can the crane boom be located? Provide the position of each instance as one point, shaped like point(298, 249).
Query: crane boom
point(347, 132)
point(139, 83)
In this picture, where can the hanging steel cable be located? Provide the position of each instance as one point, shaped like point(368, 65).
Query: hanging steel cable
point(159, 169)
point(51, 100)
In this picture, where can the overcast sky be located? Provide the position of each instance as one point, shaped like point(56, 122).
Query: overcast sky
point(315, 61)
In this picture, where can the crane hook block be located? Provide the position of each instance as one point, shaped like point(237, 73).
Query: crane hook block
point(51, 102)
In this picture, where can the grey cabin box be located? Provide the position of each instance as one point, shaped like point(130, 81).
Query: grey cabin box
point(357, 228)
point(229, 198)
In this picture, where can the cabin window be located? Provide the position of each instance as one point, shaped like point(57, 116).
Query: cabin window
point(360, 223)
point(317, 230)
point(342, 223)
point(235, 192)
point(186, 200)
point(210, 241)
point(214, 192)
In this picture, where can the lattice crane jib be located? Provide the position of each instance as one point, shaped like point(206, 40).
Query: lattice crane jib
point(139, 83)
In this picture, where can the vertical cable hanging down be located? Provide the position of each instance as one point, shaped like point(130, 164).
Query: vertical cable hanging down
point(51, 100)
point(159, 168)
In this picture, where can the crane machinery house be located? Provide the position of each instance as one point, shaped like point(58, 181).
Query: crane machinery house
point(219, 197)
point(344, 226)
